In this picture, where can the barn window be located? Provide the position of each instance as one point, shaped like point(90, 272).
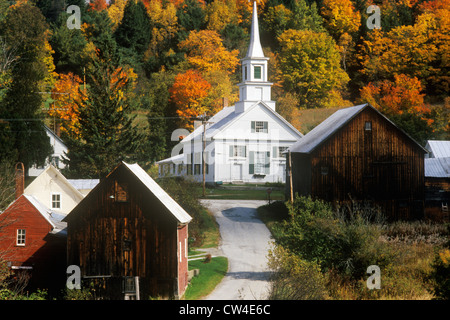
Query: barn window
point(121, 192)
point(324, 171)
point(56, 201)
point(20, 237)
point(368, 126)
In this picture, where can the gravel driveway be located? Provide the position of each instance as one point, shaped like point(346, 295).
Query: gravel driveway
point(245, 242)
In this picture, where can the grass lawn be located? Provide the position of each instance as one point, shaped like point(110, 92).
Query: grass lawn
point(210, 276)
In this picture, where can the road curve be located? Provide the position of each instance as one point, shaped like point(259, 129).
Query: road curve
point(245, 241)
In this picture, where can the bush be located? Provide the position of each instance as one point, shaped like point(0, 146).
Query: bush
point(441, 275)
point(294, 278)
point(317, 234)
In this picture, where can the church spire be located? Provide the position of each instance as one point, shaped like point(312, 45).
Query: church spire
point(255, 49)
point(255, 86)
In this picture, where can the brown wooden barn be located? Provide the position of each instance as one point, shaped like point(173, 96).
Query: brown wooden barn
point(129, 228)
point(357, 153)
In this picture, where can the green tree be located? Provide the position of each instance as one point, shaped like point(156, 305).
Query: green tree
point(23, 137)
point(68, 45)
point(191, 16)
point(107, 133)
point(134, 30)
point(310, 66)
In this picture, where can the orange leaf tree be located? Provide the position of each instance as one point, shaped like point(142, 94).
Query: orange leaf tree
point(67, 96)
point(188, 93)
point(402, 101)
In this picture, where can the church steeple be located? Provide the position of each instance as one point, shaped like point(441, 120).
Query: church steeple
point(255, 49)
point(254, 86)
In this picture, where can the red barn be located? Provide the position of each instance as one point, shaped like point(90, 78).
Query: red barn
point(33, 239)
point(130, 237)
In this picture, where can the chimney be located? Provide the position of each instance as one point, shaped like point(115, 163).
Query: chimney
point(58, 129)
point(20, 179)
point(225, 102)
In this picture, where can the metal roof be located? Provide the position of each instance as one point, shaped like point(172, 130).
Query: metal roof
point(178, 212)
point(332, 124)
point(81, 184)
point(438, 148)
point(437, 167)
point(325, 129)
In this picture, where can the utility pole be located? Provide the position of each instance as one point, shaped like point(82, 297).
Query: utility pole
point(290, 177)
point(204, 123)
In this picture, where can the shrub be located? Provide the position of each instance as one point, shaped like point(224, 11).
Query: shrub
point(317, 234)
point(441, 274)
point(294, 278)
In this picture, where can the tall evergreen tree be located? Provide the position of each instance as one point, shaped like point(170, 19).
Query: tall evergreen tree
point(107, 134)
point(134, 30)
point(22, 136)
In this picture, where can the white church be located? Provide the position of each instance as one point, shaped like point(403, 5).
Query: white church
point(242, 143)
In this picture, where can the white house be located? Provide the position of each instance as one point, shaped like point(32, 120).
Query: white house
point(243, 142)
point(59, 150)
point(54, 191)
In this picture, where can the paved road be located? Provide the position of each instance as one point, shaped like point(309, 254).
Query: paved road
point(245, 242)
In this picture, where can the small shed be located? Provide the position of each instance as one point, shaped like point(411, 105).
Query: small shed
point(357, 153)
point(130, 237)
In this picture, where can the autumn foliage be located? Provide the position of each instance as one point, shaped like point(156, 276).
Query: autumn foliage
point(403, 95)
point(187, 93)
point(67, 96)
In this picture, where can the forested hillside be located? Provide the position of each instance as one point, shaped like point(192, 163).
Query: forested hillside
point(170, 61)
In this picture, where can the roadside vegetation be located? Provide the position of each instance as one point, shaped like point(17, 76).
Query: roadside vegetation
point(323, 253)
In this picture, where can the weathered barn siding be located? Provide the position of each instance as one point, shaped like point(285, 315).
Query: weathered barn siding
point(120, 231)
point(382, 164)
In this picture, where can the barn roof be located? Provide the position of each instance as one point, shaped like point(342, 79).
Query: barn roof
point(437, 167)
point(331, 125)
point(438, 148)
point(178, 212)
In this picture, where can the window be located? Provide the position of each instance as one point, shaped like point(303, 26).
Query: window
point(121, 191)
point(260, 126)
point(259, 163)
point(278, 152)
point(368, 126)
point(245, 73)
point(20, 237)
point(197, 168)
point(238, 151)
point(56, 201)
point(257, 73)
point(55, 161)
